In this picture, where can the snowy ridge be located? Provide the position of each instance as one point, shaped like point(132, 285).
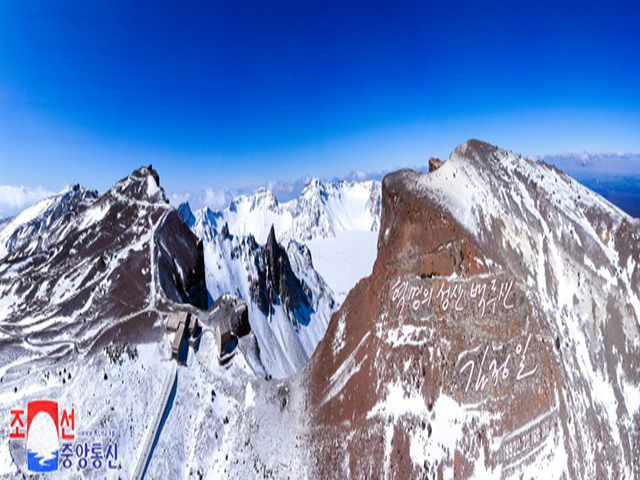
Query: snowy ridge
point(322, 210)
point(557, 209)
point(234, 249)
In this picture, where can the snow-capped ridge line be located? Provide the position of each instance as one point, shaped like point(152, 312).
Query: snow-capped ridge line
point(322, 210)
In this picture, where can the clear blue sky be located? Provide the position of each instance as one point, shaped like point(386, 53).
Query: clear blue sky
point(229, 93)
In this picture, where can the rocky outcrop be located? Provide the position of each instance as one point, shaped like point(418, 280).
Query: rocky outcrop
point(276, 282)
point(434, 164)
point(181, 262)
point(497, 335)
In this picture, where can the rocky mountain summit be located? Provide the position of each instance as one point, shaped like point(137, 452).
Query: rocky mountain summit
point(83, 267)
point(498, 334)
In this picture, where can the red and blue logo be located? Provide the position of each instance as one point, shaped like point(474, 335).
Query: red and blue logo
point(43, 429)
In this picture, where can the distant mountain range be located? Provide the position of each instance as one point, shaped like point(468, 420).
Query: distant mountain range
point(614, 176)
point(322, 210)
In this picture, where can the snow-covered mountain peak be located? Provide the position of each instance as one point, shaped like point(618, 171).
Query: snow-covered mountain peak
point(210, 216)
point(142, 185)
point(484, 173)
point(264, 198)
point(313, 182)
point(186, 214)
point(313, 187)
point(261, 200)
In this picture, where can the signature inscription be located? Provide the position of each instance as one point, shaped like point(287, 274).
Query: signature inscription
point(497, 371)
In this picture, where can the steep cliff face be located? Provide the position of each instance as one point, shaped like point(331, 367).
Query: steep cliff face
point(181, 262)
point(498, 333)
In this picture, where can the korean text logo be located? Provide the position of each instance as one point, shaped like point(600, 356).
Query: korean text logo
point(50, 437)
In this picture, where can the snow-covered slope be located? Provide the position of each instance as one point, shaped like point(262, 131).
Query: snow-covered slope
point(287, 329)
point(326, 216)
point(30, 228)
point(344, 259)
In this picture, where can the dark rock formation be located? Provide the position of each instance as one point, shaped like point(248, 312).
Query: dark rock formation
point(277, 283)
point(434, 164)
point(181, 262)
point(184, 210)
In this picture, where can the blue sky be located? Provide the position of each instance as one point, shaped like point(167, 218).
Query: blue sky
point(227, 94)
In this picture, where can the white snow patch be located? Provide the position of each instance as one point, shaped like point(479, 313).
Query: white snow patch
point(339, 340)
point(249, 397)
point(345, 259)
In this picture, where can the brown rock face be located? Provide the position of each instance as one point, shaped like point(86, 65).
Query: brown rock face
point(434, 164)
point(98, 271)
point(463, 354)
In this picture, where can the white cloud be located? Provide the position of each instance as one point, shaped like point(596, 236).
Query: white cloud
point(215, 199)
point(14, 199)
